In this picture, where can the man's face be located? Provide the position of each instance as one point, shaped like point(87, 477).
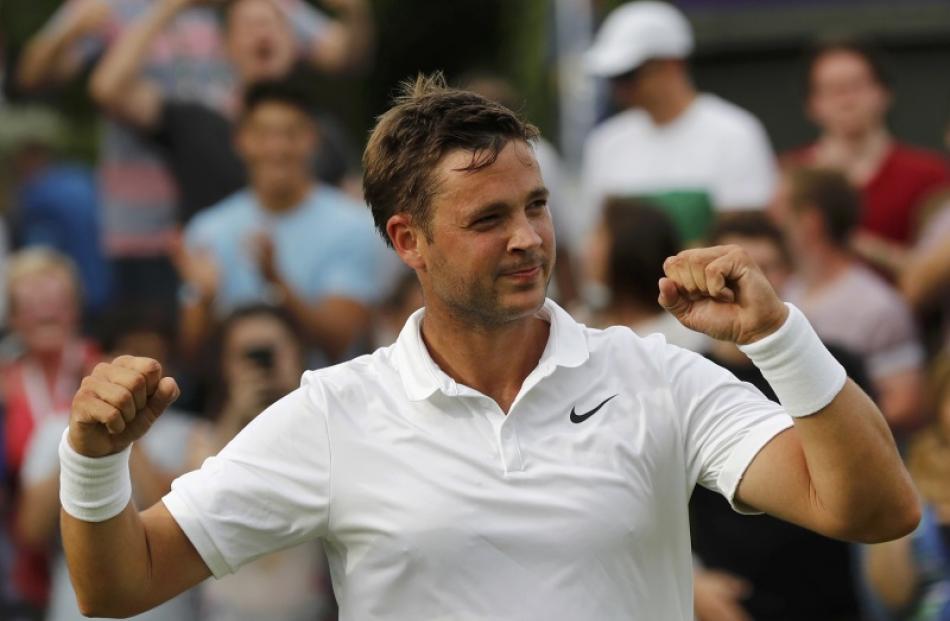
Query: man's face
point(259, 41)
point(845, 97)
point(277, 143)
point(44, 311)
point(642, 85)
point(492, 240)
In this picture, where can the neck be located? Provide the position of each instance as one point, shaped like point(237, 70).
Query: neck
point(822, 265)
point(49, 362)
point(494, 360)
point(672, 104)
point(284, 200)
point(849, 149)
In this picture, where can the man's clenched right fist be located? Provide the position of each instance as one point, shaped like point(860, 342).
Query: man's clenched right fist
point(117, 404)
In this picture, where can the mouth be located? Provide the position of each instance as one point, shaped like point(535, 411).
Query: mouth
point(526, 273)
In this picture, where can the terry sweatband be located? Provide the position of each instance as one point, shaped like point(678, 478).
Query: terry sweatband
point(93, 489)
point(797, 365)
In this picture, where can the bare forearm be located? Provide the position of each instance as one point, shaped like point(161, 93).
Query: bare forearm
point(44, 60)
point(37, 511)
point(333, 325)
point(857, 478)
point(108, 562)
point(123, 63)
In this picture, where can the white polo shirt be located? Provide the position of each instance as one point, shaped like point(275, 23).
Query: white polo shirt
point(435, 505)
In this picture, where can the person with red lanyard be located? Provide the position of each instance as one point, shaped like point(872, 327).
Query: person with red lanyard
point(38, 385)
point(848, 98)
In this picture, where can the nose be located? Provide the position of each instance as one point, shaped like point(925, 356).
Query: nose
point(524, 234)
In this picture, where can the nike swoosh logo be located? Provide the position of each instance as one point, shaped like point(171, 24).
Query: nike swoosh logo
point(580, 418)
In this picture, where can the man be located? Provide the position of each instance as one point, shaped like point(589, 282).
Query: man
point(500, 461)
point(194, 138)
point(849, 304)
point(693, 153)
point(287, 239)
point(187, 62)
point(849, 96)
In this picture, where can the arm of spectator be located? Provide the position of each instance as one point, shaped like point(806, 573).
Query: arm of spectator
point(346, 43)
point(37, 512)
point(926, 274)
point(717, 595)
point(899, 395)
point(890, 572)
point(151, 482)
point(332, 324)
point(117, 84)
point(49, 58)
point(883, 253)
point(199, 275)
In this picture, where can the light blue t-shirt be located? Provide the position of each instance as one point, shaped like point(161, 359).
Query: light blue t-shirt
point(326, 246)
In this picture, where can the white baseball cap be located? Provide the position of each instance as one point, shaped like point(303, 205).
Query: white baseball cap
point(636, 32)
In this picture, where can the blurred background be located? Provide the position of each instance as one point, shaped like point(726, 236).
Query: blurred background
point(181, 179)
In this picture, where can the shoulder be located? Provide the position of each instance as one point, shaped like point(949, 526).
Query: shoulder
point(233, 209)
point(352, 383)
point(721, 115)
point(876, 295)
point(921, 161)
point(617, 129)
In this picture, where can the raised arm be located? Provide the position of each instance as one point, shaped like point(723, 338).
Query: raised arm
point(347, 43)
point(122, 562)
point(49, 58)
point(837, 471)
point(118, 85)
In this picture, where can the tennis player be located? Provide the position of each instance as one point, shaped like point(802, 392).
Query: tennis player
point(499, 461)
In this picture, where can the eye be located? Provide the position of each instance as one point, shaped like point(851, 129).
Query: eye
point(486, 221)
point(538, 205)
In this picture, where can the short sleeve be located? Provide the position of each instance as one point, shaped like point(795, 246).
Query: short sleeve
point(725, 422)
point(267, 490)
point(748, 170)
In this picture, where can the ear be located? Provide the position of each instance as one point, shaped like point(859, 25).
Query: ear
point(408, 241)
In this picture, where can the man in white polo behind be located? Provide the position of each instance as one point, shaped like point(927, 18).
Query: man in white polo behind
point(499, 461)
point(692, 153)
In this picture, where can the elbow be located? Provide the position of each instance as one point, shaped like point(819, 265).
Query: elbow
point(892, 521)
point(102, 607)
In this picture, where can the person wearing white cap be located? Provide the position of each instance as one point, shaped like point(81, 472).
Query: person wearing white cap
point(693, 153)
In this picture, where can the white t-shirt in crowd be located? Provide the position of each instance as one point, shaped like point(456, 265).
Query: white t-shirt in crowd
point(434, 504)
point(713, 147)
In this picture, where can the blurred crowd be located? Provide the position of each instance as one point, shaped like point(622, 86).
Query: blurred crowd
point(222, 232)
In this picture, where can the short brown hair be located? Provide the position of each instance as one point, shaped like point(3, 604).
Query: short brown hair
point(830, 192)
point(427, 121)
point(750, 225)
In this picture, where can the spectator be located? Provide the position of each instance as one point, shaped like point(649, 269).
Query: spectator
point(763, 568)
point(924, 275)
point(693, 153)
point(910, 577)
point(849, 95)
point(565, 225)
point(260, 360)
point(285, 238)
point(187, 62)
point(55, 202)
point(847, 303)
point(624, 261)
point(44, 304)
point(196, 139)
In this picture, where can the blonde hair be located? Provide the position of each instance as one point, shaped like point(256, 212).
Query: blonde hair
point(40, 260)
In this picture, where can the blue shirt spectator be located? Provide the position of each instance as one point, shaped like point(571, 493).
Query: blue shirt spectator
point(326, 246)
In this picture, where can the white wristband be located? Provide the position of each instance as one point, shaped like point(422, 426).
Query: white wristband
point(799, 368)
point(93, 489)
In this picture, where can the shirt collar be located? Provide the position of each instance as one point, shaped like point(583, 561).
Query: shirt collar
point(422, 377)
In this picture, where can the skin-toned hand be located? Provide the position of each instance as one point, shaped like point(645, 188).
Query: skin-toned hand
point(250, 393)
point(117, 404)
point(197, 268)
point(721, 292)
point(262, 247)
point(716, 596)
point(88, 17)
